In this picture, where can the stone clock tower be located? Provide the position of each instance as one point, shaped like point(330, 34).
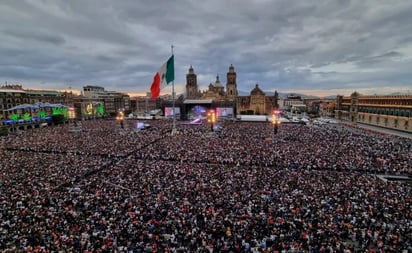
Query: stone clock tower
point(231, 86)
point(192, 91)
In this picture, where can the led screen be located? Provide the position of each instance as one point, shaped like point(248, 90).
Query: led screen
point(139, 125)
point(169, 112)
point(93, 109)
point(197, 112)
point(224, 112)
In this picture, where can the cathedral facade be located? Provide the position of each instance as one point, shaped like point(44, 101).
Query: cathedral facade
point(215, 91)
point(257, 103)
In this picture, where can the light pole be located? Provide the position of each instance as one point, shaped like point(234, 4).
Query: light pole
point(275, 122)
point(211, 118)
point(120, 118)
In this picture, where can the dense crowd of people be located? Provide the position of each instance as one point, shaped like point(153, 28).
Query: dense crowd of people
point(243, 189)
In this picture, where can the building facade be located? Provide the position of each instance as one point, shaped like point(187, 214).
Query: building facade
point(294, 103)
point(15, 95)
point(112, 101)
point(215, 91)
point(11, 96)
point(393, 112)
point(144, 104)
point(257, 103)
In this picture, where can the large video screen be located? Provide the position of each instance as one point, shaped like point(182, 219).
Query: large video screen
point(224, 112)
point(93, 109)
point(169, 112)
point(197, 112)
point(139, 125)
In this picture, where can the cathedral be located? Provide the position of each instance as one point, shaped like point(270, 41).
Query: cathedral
point(215, 91)
point(257, 103)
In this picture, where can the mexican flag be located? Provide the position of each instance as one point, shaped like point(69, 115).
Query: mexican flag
point(163, 77)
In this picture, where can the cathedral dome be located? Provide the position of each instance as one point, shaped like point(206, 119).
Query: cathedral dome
point(217, 83)
point(257, 91)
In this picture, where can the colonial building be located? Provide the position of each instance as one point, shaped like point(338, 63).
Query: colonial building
point(257, 103)
point(144, 104)
point(192, 89)
point(217, 95)
point(49, 96)
point(215, 91)
point(112, 101)
point(231, 85)
point(15, 95)
point(294, 103)
point(196, 103)
point(11, 96)
point(394, 112)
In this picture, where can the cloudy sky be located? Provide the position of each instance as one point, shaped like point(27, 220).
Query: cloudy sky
point(312, 47)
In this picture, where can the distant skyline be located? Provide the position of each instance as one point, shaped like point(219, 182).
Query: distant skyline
point(317, 48)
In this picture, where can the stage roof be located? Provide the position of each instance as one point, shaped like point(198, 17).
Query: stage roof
point(197, 101)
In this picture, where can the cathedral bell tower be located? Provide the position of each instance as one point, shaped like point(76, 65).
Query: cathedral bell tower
point(191, 84)
point(231, 86)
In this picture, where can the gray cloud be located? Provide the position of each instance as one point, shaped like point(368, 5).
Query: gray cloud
point(283, 45)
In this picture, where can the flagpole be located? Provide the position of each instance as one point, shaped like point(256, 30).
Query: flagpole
point(173, 97)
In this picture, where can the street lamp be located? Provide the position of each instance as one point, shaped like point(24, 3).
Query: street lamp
point(211, 118)
point(275, 121)
point(120, 118)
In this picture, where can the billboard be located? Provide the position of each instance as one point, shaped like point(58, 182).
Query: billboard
point(224, 112)
point(169, 112)
point(93, 109)
point(197, 112)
